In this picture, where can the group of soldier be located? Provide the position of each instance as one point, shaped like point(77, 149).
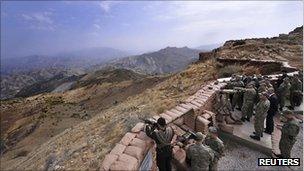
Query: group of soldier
point(202, 154)
point(252, 96)
point(260, 97)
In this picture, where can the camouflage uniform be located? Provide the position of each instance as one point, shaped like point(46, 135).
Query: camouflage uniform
point(217, 146)
point(295, 88)
point(283, 92)
point(222, 106)
point(290, 131)
point(248, 102)
point(261, 113)
point(200, 157)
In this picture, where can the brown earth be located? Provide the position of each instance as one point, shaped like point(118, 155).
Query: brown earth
point(28, 123)
point(285, 47)
point(84, 145)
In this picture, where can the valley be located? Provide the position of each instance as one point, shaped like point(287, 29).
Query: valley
point(74, 129)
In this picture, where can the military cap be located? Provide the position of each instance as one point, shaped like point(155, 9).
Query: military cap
point(212, 129)
point(200, 136)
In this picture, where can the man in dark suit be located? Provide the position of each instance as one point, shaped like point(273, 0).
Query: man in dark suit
point(273, 109)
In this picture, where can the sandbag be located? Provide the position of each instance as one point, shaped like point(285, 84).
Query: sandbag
point(127, 138)
point(118, 149)
point(135, 152)
point(138, 127)
point(108, 161)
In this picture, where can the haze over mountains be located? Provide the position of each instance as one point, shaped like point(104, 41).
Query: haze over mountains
point(167, 60)
point(72, 59)
point(78, 126)
point(37, 74)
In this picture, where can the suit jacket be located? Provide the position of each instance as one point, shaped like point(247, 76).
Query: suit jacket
point(274, 104)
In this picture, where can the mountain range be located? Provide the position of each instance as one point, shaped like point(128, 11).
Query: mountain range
point(39, 74)
point(167, 60)
point(73, 59)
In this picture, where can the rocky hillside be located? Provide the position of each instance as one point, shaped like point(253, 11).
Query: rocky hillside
point(74, 59)
point(84, 145)
point(167, 60)
point(11, 84)
point(75, 129)
point(285, 47)
point(32, 74)
point(27, 123)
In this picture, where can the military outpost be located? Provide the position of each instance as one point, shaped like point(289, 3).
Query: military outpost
point(252, 110)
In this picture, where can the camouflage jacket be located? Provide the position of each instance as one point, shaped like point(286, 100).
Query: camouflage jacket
point(262, 108)
point(216, 145)
point(284, 88)
point(290, 129)
point(296, 85)
point(249, 94)
point(200, 157)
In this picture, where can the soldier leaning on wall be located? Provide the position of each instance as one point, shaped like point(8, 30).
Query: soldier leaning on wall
point(162, 135)
point(216, 144)
point(199, 156)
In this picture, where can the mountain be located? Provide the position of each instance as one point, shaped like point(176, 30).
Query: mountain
point(75, 129)
point(285, 47)
point(73, 59)
point(33, 74)
point(167, 60)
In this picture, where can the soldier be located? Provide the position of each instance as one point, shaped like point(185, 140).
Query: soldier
point(261, 113)
point(237, 96)
point(283, 92)
point(248, 101)
point(262, 87)
point(273, 109)
point(290, 131)
point(216, 145)
point(295, 89)
point(162, 136)
point(222, 106)
point(199, 156)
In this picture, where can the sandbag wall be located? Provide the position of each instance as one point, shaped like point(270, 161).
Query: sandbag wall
point(193, 114)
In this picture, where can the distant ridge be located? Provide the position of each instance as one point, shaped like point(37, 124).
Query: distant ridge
point(167, 60)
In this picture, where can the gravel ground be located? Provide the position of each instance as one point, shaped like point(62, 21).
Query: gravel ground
point(238, 157)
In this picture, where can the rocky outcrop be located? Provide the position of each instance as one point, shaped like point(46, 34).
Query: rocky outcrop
point(284, 48)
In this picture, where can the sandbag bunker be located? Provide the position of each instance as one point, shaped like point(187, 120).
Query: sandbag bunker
point(136, 150)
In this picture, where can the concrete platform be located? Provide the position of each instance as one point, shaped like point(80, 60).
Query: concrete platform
point(241, 135)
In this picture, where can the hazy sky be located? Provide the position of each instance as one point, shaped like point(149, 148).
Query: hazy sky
point(49, 27)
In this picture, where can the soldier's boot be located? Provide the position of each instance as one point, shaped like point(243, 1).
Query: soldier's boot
point(268, 132)
point(255, 134)
point(255, 137)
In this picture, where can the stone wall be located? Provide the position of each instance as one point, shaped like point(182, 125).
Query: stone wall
point(193, 115)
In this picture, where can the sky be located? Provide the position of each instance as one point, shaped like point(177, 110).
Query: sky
point(50, 27)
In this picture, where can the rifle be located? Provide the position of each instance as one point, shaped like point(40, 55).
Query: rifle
point(149, 121)
point(188, 135)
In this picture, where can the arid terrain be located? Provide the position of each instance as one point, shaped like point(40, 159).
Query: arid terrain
point(75, 129)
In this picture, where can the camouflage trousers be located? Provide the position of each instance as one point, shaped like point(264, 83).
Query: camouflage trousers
point(247, 109)
point(286, 145)
point(259, 126)
point(282, 101)
point(213, 165)
point(237, 100)
point(296, 98)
